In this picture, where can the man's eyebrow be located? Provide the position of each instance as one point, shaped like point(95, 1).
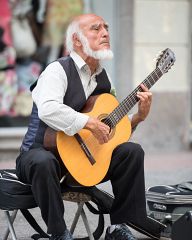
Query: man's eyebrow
point(95, 25)
point(106, 25)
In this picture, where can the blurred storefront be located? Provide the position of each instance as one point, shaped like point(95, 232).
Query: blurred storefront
point(32, 34)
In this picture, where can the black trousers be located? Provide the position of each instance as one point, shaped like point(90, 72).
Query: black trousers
point(43, 171)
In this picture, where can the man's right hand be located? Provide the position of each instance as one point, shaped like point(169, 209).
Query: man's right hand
point(99, 130)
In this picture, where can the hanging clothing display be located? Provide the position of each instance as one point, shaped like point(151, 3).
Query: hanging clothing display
point(5, 20)
point(8, 81)
point(27, 72)
point(24, 52)
point(8, 77)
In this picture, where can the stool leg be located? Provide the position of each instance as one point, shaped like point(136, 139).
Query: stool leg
point(10, 220)
point(84, 217)
point(76, 218)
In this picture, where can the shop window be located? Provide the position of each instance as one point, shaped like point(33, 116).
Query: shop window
point(31, 36)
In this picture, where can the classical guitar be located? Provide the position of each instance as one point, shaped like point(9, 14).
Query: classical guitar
point(86, 159)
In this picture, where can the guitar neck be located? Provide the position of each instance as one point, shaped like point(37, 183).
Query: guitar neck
point(129, 102)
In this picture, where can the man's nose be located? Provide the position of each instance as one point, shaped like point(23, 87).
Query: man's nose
point(105, 33)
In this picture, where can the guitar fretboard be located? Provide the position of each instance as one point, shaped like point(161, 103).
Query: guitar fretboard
point(128, 103)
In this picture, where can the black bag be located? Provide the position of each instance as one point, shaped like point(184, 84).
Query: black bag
point(17, 195)
point(182, 228)
point(169, 202)
point(13, 193)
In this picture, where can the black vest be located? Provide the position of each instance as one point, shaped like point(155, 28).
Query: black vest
point(74, 98)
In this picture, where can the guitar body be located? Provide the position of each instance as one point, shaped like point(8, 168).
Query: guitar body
point(74, 157)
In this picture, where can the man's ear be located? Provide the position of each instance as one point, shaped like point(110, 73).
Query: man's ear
point(76, 40)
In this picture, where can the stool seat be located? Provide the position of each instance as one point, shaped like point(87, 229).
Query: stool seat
point(76, 197)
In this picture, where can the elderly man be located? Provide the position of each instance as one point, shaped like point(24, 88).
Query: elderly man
point(59, 95)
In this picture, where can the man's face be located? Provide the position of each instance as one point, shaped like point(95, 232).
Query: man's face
point(96, 31)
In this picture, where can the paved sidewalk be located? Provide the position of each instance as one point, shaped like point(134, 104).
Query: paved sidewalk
point(161, 168)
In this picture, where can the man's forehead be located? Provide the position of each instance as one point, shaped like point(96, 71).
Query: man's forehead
point(89, 20)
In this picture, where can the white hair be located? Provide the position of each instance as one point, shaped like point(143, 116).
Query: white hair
point(74, 28)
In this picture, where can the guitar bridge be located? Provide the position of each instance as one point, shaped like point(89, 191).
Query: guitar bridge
point(85, 148)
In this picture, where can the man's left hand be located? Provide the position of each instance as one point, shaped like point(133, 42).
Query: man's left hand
point(145, 99)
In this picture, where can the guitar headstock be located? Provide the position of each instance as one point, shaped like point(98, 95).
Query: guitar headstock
point(165, 60)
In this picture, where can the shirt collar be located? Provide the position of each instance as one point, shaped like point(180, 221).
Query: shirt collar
point(81, 64)
point(78, 60)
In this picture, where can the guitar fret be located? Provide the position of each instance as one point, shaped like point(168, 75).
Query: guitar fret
point(147, 84)
point(159, 72)
point(125, 108)
point(151, 80)
point(156, 74)
point(118, 114)
point(115, 117)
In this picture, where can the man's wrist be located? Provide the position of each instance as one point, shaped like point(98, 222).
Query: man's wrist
point(136, 119)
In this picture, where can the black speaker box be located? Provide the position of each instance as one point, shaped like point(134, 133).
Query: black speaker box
point(182, 228)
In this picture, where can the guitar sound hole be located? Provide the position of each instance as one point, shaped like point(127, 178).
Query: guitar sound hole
point(108, 122)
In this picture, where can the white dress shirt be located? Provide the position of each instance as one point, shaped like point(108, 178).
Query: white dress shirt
point(50, 90)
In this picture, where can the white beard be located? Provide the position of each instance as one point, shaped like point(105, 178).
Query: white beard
point(99, 54)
